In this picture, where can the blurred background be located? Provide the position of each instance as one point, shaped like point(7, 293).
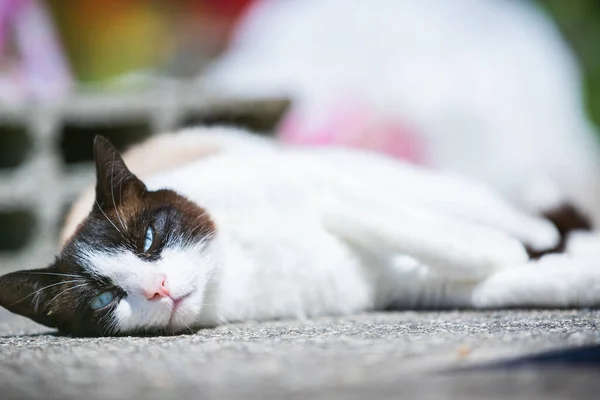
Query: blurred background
point(579, 23)
point(504, 91)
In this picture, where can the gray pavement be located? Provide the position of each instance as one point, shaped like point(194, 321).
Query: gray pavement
point(385, 355)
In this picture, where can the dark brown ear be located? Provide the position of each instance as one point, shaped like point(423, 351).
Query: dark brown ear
point(28, 292)
point(114, 182)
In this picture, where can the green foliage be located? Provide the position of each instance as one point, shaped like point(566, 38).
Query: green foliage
point(579, 22)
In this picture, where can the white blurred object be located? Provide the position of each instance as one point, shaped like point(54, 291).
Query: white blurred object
point(489, 86)
point(584, 245)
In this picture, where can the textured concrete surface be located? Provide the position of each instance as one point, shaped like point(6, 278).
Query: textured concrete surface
point(388, 355)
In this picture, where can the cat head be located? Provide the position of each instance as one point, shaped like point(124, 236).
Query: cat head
point(139, 262)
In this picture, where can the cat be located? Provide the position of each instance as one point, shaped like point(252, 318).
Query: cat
point(289, 233)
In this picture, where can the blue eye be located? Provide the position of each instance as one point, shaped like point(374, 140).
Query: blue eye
point(102, 300)
point(149, 239)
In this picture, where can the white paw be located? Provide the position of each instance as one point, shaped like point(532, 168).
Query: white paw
point(582, 244)
point(557, 280)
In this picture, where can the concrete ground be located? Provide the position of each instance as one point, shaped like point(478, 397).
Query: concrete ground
point(388, 355)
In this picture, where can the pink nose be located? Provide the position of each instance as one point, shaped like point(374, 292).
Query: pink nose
point(157, 288)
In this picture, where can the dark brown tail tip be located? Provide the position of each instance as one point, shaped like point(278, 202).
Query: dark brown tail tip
point(567, 218)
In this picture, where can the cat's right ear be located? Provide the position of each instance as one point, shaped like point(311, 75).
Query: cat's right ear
point(28, 293)
point(115, 183)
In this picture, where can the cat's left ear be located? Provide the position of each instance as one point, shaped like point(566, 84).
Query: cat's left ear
point(28, 293)
point(114, 182)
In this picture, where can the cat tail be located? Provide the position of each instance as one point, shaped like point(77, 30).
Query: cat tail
point(554, 281)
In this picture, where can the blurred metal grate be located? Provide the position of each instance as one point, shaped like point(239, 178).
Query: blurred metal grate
point(14, 145)
point(46, 153)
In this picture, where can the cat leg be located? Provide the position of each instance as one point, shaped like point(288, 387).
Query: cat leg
point(453, 249)
point(406, 284)
point(390, 184)
point(557, 280)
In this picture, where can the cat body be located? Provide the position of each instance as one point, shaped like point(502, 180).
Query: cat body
point(328, 231)
point(277, 232)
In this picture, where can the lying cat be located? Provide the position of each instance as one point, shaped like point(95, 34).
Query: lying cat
point(272, 232)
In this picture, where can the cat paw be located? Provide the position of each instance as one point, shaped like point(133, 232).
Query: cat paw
point(555, 280)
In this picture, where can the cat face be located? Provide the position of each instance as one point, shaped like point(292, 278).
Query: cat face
point(139, 263)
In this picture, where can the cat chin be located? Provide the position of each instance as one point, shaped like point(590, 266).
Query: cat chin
point(166, 316)
point(185, 311)
point(128, 316)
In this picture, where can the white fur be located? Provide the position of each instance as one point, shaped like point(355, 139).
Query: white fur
point(188, 271)
point(583, 244)
point(303, 233)
point(553, 281)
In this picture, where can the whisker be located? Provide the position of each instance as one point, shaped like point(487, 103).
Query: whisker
point(112, 191)
point(111, 324)
point(190, 329)
point(55, 274)
point(130, 241)
point(79, 299)
point(108, 219)
point(46, 287)
point(64, 291)
point(121, 188)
